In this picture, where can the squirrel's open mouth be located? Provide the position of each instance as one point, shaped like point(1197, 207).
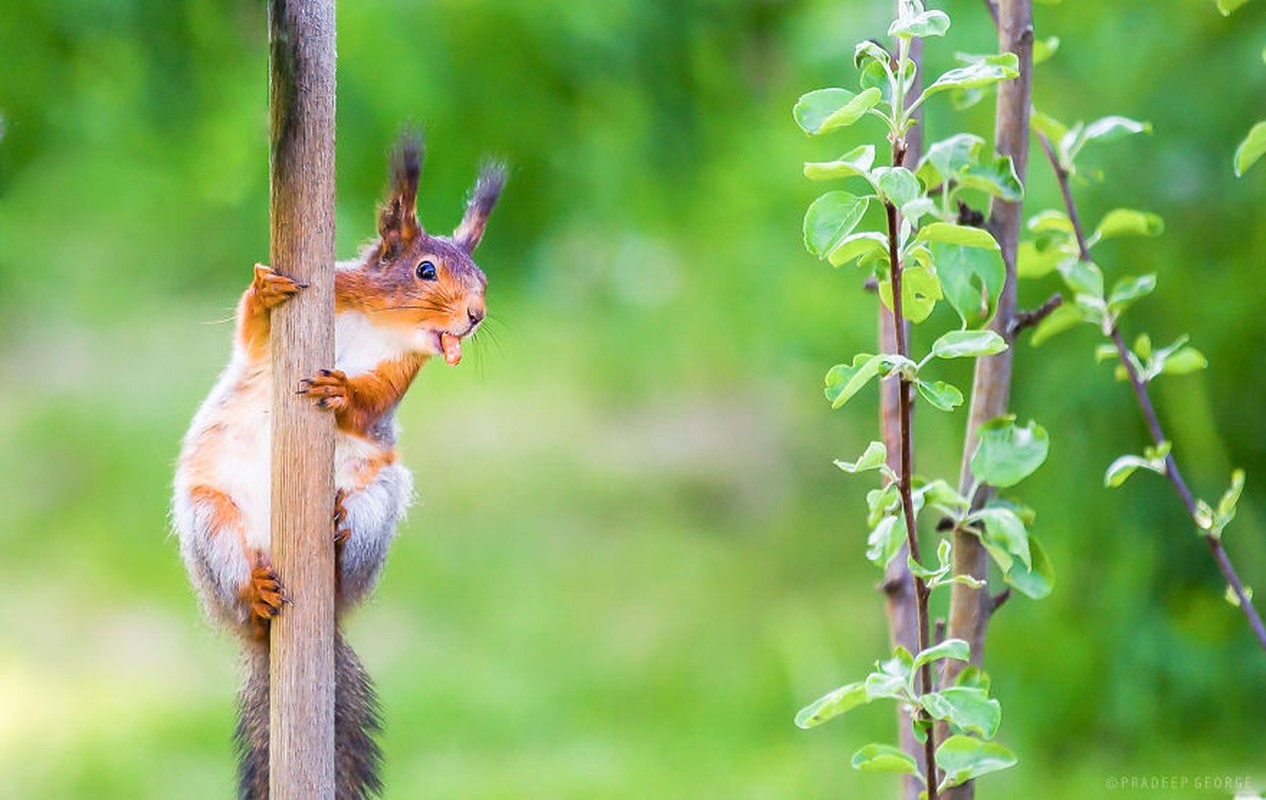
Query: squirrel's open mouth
point(451, 347)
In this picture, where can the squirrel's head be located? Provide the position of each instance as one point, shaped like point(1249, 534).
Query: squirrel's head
point(426, 288)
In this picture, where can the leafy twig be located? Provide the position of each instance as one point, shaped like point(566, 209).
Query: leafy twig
point(1149, 413)
point(901, 601)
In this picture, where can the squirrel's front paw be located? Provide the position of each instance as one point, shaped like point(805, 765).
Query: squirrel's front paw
point(265, 594)
point(273, 288)
point(329, 389)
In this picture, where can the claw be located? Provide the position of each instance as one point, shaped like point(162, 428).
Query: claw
point(266, 593)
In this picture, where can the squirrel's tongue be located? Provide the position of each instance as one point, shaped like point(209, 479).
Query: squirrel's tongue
point(452, 347)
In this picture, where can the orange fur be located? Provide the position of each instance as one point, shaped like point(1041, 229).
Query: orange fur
point(224, 512)
point(360, 401)
point(268, 290)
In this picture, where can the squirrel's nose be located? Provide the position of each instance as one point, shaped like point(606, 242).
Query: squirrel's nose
point(475, 312)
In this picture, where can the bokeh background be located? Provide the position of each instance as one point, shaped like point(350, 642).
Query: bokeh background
point(632, 560)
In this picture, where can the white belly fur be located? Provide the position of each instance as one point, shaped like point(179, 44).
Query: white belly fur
point(239, 405)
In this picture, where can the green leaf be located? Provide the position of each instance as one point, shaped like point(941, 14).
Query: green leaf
point(1186, 360)
point(1225, 512)
point(968, 344)
point(918, 208)
point(1252, 148)
point(1227, 6)
point(1119, 471)
point(889, 680)
point(884, 758)
point(896, 184)
point(929, 23)
point(1083, 277)
point(1027, 515)
point(857, 161)
point(858, 247)
point(962, 99)
point(1005, 530)
point(874, 458)
point(1035, 582)
point(831, 705)
point(964, 758)
point(867, 51)
point(941, 495)
point(1044, 49)
point(893, 364)
point(882, 502)
point(884, 541)
point(971, 279)
point(1233, 598)
point(986, 72)
point(920, 289)
point(1176, 359)
point(919, 728)
point(845, 380)
point(1128, 222)
point(1143, 345)
point(948, 156)
point(949, 233)
point(929, 575)
point(941, 395)
point(827, 109)
point(1128, 290)
point(972, 676)
point(1108, 129)
point(1048, 221)
point(1033, 261)
point(830, 219)
point(1061, 319)
point(996, 177)
point(957, 649)
point(966, 708)
point(1008, 453)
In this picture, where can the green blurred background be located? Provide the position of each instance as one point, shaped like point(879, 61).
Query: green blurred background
point(632, 560)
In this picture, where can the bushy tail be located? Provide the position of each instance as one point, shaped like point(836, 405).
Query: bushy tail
point(357, 757)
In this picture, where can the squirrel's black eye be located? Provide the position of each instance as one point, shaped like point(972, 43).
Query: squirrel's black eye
point(426, 271)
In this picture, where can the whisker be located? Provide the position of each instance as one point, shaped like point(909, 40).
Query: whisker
point(230, 318)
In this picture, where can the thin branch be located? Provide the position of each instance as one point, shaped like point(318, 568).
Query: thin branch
point(996, 602)
point(1030, 319)
point(1149, 413)
point(900, 596)
point(921, 590)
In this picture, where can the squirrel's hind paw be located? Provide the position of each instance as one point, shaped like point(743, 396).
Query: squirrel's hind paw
point(265, 594)
point(341, 532)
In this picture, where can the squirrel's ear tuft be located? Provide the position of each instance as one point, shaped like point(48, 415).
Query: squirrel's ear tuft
point(398, 219)
point(492, 178)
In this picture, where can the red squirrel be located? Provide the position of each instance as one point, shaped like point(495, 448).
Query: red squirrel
point(409, 295)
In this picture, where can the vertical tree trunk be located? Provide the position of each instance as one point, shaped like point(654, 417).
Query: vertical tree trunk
point(991, 390)
point(898, 585)
point(301, 101)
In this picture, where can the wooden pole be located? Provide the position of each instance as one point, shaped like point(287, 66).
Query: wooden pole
point(991, 391)
point(301, 666)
